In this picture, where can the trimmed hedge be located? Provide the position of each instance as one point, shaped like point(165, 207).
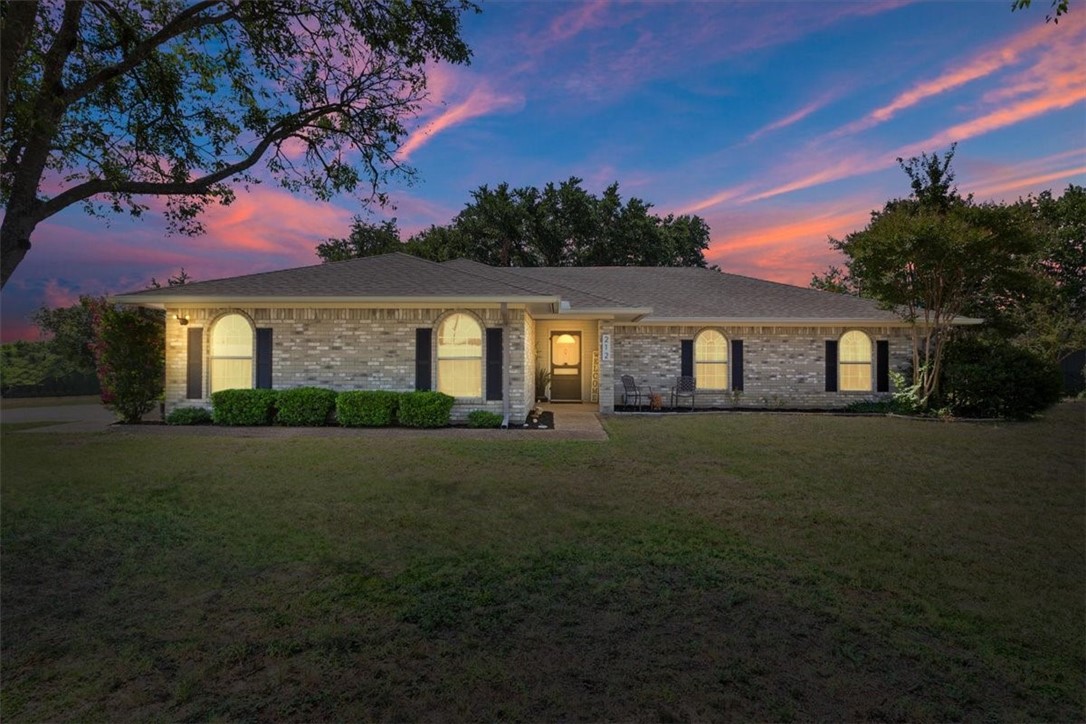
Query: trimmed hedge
point(484, 418)
point(425, 409)
point(305, 406)
point(188, 416)
point(367, 408)
point(243, 407)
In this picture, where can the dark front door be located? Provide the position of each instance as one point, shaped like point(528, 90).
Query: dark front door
point(566, 366)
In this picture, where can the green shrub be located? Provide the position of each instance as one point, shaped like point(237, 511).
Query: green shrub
point(994, 378)
point(305, 406)
point(484, 418)
point(188, 416)
point(129, 351)
point(367, 408)
point(425, 409)
point(243, 407)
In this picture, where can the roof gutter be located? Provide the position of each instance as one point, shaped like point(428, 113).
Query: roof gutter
point(793, 322)
point(160, 301)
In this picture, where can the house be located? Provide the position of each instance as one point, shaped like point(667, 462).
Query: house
point(480, 333)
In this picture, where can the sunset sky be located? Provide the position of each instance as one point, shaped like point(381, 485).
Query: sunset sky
point(779, 123)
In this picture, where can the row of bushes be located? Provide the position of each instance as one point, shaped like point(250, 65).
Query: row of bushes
point(315, 406)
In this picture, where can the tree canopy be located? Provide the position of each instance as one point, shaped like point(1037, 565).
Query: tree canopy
point(558, 225)
point(934, 257)
point(105, 103)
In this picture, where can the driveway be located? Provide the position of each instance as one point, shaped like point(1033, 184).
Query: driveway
point(85, 417)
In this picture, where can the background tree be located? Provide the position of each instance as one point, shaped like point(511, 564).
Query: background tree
point(111, 101)
point(72, 331)
point(560, 225)
point(365, 239)
point(1052, 319)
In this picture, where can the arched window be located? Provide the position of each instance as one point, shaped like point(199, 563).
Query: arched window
point(711, 360)
point(460, 356)
point(854, 361)
point(231, 354)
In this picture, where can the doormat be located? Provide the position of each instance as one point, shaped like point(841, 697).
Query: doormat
point(539, 420)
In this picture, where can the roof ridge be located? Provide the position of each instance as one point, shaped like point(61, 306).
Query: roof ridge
point(513, 270)
point(480, 276)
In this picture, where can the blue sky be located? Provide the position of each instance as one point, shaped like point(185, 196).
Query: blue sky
point(778, 122)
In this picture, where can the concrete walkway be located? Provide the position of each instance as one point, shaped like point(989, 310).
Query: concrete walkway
point(572, 422)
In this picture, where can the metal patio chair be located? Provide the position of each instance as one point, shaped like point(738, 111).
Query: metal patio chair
point(685, 387)
point(630, 391)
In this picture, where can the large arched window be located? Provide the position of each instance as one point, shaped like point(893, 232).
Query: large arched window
point(711, 360)
point(460, 356)
point(854, 361)
point(231, 354)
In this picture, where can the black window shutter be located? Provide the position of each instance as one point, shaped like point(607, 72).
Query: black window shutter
point(882, 365)
point(686, 367)
point(422, 358)
point(831, 365)
point(494, 363)
point(737, 364)
point(264, 358)
point(194, 382)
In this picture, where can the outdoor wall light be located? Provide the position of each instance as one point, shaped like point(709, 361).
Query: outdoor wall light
point(181, 320)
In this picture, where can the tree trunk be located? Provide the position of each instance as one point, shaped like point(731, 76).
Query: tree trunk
point(14, 241)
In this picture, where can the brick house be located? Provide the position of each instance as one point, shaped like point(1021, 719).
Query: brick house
point(480, 333)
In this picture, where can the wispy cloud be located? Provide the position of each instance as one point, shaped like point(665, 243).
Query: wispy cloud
point(583, 16)
point(792, 118)
point(481, 101)
point(1062, 44)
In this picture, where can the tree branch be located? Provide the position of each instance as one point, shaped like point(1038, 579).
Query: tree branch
point(93, 187)
point(185, 21)
point(14, 40)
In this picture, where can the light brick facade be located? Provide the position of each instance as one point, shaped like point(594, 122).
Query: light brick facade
point(374, 349)
point(345, 349)
point(782, 366)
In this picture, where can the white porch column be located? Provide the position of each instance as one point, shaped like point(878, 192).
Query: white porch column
point(606, 342)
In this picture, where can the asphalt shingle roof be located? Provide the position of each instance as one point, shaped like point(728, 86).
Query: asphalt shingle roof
point(387, 275)
point(680, 293)
point(693, 293)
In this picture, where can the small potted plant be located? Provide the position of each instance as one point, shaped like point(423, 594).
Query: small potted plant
point(542, 379)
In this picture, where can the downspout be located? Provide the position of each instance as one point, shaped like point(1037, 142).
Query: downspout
point(505, 365)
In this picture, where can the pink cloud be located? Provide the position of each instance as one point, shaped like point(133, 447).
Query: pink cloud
point(481, 101)
point(1058, 46)
point(59, 294)
point(790, 119)
point(583, 16)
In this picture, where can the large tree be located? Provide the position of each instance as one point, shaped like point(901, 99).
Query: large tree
point(108, 102)
point(558, 225)
point(934, 257)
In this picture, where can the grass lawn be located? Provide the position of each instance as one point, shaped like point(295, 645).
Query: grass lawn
point(767, 567)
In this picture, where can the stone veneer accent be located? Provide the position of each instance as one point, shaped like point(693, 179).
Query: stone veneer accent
point(346, 349)
point(782, 366)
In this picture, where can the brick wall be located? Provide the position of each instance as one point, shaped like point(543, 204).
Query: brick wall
point(782, 366)
point(343, 349)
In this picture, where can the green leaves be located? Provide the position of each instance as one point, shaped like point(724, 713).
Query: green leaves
point(561, 225)
point(183, 98)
